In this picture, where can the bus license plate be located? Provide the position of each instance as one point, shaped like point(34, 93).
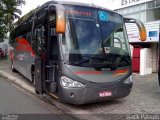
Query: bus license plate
point(105, 93)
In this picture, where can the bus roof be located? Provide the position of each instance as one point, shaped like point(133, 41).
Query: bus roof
point(25, 17)
point(45, 5)
point(73, 3)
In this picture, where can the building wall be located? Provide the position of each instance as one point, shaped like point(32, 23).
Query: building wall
point(152, 29)
point(148, 11)
point(136, 11)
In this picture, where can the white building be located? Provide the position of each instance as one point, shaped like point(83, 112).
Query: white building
point(148, 11)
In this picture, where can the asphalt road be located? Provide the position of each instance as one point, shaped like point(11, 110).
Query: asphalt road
point(17, 104)
point(15, 100)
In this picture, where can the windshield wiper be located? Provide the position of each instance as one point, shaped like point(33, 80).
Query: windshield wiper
point(120, 56)
point(91, 58)
point(105, 59)
point(82, 61)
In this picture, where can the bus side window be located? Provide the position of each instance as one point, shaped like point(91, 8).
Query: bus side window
point(44, 38)
point(28, 37)
point(24, 36)
point(40, 40)
point(12, 40)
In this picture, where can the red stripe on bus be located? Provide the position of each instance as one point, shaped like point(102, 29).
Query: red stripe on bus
point(24, 45)
point(120, 72)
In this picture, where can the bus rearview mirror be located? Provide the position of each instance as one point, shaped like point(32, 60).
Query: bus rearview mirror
point(141, 27)
point(60, 20)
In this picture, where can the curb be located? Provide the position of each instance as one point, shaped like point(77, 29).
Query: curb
point(16, 81)
point(7, 76)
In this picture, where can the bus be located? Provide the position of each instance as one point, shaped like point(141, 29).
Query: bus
point(77, 52)
point(159, 58)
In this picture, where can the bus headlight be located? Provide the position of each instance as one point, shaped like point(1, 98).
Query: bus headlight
point(67, 82)
point(129, 80)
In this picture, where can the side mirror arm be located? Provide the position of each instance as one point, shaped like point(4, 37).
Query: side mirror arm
point(141, 27)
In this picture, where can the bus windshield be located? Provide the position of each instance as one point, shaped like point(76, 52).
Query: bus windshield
point(95, 37)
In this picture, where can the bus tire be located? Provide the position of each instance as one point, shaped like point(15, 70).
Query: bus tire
point(33, 77)
point(36, 92)
point(12, 67)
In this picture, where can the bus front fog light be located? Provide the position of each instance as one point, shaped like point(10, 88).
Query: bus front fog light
point(67, 82)
point(129, 80)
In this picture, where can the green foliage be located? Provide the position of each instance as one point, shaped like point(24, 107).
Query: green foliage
point(25, 17)
point(3, 31)
point(8, 13)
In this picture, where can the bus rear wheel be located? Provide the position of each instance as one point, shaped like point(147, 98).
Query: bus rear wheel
point(12, 67)
point(33, 81)
point(33, 77)
point(37, 92)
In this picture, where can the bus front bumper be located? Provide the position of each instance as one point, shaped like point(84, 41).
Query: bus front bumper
point(90, 94)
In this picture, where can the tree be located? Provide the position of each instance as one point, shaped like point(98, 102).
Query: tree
point(8, 13)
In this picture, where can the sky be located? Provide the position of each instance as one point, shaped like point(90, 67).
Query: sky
point(110, 4)
point(31, 4)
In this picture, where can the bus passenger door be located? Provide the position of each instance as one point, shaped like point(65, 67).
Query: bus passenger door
point(52, 58)
point(40, 48)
